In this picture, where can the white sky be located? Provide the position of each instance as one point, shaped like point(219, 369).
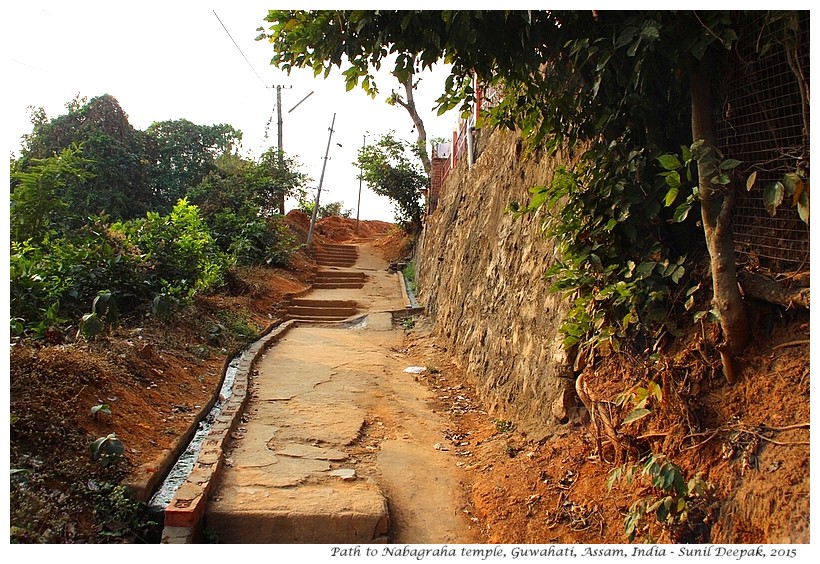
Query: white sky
point(174, 60)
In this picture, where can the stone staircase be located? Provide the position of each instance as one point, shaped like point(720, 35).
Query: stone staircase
point(332, 279)
point(336, 255)
point(336, 260)
point(306, 309)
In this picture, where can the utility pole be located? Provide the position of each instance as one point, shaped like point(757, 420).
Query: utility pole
point(319, 190)
point(281, 158)
point(281, 152)
point(359, 204)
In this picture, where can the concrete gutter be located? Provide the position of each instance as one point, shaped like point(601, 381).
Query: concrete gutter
point(184, 513)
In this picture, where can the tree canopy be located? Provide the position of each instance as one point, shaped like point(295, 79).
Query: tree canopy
point(100, 211)
point(390, 169)
point(621, 88)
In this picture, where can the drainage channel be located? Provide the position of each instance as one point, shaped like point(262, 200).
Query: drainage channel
point(185, 464)
point(411, 296)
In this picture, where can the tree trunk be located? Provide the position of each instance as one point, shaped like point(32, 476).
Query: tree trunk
point(410, 106)
point(716, 204)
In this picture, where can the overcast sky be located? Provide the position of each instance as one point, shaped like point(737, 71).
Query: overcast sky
point(199, 61)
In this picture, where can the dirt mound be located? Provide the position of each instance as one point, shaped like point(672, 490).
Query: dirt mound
point(335, 229)
point(396, 245)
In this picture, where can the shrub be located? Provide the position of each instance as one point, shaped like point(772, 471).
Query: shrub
point(182, 256)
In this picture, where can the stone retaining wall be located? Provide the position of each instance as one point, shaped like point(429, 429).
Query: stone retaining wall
point(480, 274)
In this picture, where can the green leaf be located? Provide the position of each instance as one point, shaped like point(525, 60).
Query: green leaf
point(793, 184)
point(673, 179)
point(654, 390)
point(681, 212)
point(671, 196)
point(803, 209)
point(101, 408)
point(686, 153)
point(636, 414)
point(773, 197)
point(729, 164)
point(645, 269)
point(670, 162)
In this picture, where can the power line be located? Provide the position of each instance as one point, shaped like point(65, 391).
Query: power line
point(240, 51)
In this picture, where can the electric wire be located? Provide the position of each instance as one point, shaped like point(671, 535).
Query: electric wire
point(240, 52)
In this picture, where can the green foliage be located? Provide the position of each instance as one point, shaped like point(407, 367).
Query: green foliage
point(610, 261)
point(503, 426)
point(235, 323)
point(103, 408)
point(56, 280)
point(107, 450)
point(332, 209)
point(408, 323)
point(182, 154)
point(794, 185)
point(285, 243)
point(38, 208)
point(64, 257)
point(390, 168)
point(639, 397)
point(671, 498)
point(122, 516)
point(272, 177)
point(237, 203)
point(680, 175)
point(118, 184)
point(409, 273)
point(103, 314)
point(179, 250)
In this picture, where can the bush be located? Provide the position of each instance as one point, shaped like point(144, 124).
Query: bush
point(57, 280)
point(182, 256)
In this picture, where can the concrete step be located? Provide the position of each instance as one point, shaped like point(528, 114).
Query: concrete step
point(330, 279)
point(316, 317)
point(339, 513)
point(302, 311)
point(337, 247)
point(341, 274)
point(336, 262)
point(349, 251)
point(309, 302)
point(337, 285)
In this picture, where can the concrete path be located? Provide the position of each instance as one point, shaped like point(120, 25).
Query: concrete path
point(337, 443)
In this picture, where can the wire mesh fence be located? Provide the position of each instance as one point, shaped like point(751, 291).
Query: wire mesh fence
point(764, 122)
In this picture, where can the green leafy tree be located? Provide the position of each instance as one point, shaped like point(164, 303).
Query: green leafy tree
point(239, 202)
point(119, 186)
point(182, 154)
point(271, 179)
point(39, 198)
point(326, 210)
point(390, 168)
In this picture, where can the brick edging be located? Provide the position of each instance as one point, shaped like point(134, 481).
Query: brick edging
point(184, 513)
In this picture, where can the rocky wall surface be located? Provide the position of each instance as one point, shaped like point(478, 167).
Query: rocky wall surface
point(480, 274)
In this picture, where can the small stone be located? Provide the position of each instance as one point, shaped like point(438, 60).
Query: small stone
point(344, 473)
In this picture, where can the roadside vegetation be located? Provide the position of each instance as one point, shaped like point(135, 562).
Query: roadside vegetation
point(148, 219)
